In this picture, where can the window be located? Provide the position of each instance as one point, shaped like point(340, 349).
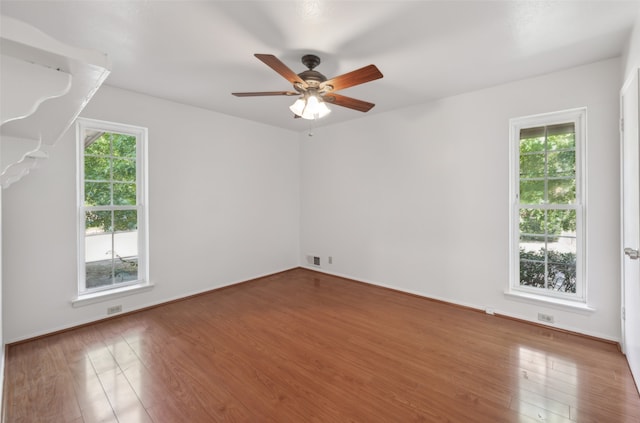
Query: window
point(112, 213)
point(547, 216)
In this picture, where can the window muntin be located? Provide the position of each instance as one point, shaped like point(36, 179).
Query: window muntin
point(547, 209)
point(112, 199)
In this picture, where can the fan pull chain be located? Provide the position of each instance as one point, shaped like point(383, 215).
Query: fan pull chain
point(311, 127)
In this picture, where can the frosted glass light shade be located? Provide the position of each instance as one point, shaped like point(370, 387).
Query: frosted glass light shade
point(310, 107)
point(298, 106)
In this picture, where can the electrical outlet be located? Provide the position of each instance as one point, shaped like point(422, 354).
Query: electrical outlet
point(489, 310)
point(330, 260)
point(114, 309)
point(545, 317)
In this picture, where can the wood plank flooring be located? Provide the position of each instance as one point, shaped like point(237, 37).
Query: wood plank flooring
point(301, 346)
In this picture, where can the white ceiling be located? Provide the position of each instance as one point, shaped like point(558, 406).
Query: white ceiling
point(198, 52)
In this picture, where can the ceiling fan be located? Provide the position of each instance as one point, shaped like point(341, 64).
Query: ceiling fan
point(314, 89)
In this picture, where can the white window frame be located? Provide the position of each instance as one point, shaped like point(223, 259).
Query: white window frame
point(92, 295)
point(579, 117)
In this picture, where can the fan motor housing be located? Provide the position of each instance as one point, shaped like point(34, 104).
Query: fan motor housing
point(311, 77)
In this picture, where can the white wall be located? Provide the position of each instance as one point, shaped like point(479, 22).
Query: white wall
point(417, 199)
point(632, 54)
point(224, 207)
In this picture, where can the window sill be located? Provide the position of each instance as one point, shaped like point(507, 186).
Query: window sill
point(97, 297)
point(574, 306)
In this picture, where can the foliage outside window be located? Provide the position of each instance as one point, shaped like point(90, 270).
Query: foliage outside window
point(547, 204)
point(112, 196)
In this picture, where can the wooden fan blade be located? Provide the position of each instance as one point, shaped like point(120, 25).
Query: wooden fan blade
point(356, 77)
point(351, 103)
point(274, 63)
point(264, 93)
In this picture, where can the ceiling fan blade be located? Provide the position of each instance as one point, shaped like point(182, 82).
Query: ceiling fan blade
point(265, 93)
point(356, 77)
point(351, 103)
point(274, 63)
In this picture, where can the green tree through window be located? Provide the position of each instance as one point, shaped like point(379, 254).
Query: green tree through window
point(547, 218)
point(110, 208)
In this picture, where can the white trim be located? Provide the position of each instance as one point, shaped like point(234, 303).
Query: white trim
point(635, 73)
point(569, 306)
point(141, 306)
point(395, 288)
point(569, 328)
point(106, 295)
point(627, 82)
point(531, 298)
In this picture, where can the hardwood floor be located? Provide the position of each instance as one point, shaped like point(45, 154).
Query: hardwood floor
point(302, 346)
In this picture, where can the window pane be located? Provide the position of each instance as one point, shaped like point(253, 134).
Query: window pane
point(565, 244)
point(97, 193)
point(531, 143)
point(124, 145)
point(99, 273)
point(124, 194)
point(98, 222)
point(101, 146)
point(126, 256)
point(96, 168)
point(561, 270)
point(562, 191)
point(532, 268)
point(124, 170)
point(561, 222)
point(532, 165)
point(99, 260)
point(561, 141)
point(125, 220)
point(533, 221)
point(531, 192)
point(562, 163)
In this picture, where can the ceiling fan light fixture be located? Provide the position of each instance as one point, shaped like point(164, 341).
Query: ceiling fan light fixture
point(314, 88)
point(310, 107)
